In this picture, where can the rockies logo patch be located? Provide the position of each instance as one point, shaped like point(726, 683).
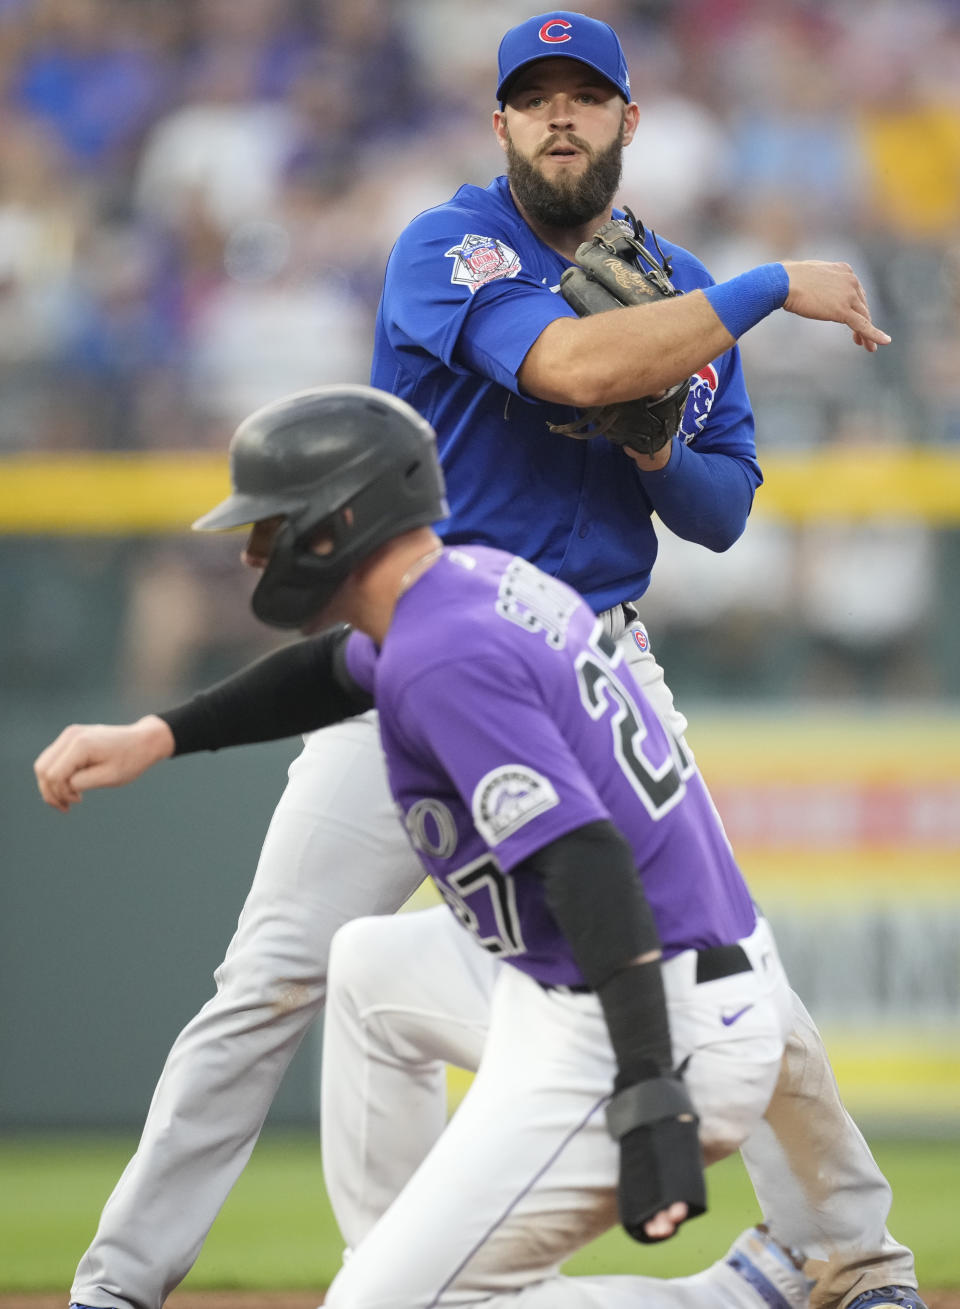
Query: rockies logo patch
point(481, 259)
point(507, 798)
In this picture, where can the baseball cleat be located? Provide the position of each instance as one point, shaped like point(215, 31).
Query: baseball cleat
point(888, 1297)
point(771, 1270)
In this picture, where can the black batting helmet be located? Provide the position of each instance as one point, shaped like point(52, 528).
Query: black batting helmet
point(307, 457)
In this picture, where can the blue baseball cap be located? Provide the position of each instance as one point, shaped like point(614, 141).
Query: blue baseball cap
point(567, 35)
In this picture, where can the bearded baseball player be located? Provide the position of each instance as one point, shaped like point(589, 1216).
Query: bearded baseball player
point(561, 427)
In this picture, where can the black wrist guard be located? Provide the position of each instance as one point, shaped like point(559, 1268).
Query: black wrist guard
point(660, 1160)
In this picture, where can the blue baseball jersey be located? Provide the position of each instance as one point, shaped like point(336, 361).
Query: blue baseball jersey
point(508, 720)
point(468, 289)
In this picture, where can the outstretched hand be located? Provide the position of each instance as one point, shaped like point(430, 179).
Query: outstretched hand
point(833, 294)
point(85, 757)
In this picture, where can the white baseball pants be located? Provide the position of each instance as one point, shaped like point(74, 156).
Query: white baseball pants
point(525, 1173)
point(335, 851)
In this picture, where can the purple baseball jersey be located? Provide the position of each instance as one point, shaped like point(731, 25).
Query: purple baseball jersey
point(509, 719)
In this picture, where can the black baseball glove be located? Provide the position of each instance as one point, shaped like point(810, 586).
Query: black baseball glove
point(615, 269)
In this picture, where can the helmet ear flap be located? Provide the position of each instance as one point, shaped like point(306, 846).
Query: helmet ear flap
point(268, 599)
point(298, 582)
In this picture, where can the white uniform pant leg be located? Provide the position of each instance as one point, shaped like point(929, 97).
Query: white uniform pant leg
point(410, 1001)
point(525, 1172)
point(634, 645)
point(334, 850)
point(818, 1185)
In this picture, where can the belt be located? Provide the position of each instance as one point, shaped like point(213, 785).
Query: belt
point(721, 961)
point(714, 962)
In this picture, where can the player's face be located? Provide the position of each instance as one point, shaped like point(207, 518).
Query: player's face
point(563, 130)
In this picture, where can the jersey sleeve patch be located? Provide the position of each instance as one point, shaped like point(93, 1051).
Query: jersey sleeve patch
point(481, 259)
point(703, 392)
point(509, 797)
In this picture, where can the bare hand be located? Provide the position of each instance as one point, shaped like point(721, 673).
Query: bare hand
point(85, 757)
point(833, 294)
point(666, 1222)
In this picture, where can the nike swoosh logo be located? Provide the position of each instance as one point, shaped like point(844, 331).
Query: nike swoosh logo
point(729, 1019)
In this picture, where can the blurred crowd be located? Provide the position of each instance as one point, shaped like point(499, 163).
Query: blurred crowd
point(197, 199)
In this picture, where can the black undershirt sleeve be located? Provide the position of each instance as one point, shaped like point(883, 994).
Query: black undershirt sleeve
point(297, 688)
point(593, 891)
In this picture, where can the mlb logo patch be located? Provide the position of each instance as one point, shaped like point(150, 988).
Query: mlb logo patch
point(481, 259)
point(641, 638)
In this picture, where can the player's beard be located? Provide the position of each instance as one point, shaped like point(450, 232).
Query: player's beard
point(569, 201)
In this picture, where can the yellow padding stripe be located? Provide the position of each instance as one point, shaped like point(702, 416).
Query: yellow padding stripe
point(107, 494)
point(896, 1074)
point(855, 484)
point(102, 495)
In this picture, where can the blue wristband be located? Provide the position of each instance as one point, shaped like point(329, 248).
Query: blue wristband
point(743, 301)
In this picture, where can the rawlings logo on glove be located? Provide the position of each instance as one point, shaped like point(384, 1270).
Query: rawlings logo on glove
point(607, 275)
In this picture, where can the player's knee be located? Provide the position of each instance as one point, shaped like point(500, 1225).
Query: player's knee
point(282, 978)
point(268, 993)
point(361, 960)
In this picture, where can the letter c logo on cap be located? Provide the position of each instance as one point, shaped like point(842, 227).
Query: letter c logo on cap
point(545, 34)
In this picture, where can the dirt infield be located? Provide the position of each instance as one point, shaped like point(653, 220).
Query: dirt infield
point(300, 1300)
